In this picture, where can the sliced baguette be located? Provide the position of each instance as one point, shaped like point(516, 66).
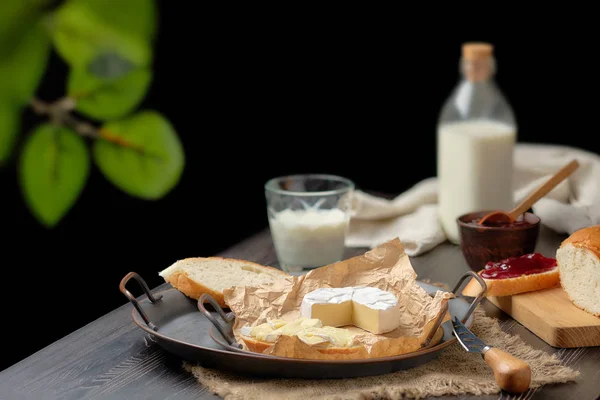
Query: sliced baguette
point(578, 259)
point(195, 276)
point(331, 352)
point(259, 346)
point(511, 286)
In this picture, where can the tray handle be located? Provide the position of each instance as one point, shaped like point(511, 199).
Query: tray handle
point(153, 298)
point(477, 298)
point(227, 317)
point(470, 310)
point(436, 325)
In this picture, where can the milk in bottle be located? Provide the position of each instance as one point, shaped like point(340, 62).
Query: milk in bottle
point(475, 143)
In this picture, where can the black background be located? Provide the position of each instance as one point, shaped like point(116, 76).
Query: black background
point(254, 96)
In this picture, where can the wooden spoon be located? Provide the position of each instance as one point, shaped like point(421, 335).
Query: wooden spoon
point(499, 217)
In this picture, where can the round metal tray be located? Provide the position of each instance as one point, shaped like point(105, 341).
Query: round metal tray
point(175, 323)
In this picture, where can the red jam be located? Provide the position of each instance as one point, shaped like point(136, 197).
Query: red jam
point(502, 224)
point(514, 267)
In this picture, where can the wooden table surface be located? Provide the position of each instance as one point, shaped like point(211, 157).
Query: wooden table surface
point(111, 358)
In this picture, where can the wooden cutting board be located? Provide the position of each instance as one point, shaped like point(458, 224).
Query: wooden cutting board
point(552, 317)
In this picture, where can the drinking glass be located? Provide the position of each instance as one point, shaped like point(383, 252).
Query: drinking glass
point(309, 216)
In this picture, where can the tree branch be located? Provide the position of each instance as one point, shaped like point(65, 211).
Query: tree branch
point(60, 114)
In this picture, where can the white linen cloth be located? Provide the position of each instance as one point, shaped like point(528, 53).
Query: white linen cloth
point(412, 215)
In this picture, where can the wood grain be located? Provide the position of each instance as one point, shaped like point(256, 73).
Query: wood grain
point(111, 358)
point(512, 374)
point(553, 317)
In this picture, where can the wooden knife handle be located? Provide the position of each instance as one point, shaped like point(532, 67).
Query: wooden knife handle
point(512, 374)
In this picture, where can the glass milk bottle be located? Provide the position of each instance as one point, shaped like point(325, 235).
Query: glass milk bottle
point(476, 135)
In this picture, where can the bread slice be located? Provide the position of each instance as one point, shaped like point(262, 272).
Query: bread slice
point(259, 346)
point(308, 338)
point(578, 259)
point(511, 286)
point(195, 276)
point(302, 337)
point(326, 352)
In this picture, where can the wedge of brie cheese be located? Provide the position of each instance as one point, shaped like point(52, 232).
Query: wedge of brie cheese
point(309, 330)
point(371, 309)
point(333, 306)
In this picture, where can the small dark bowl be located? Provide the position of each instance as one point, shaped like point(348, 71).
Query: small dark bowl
point(481, 244)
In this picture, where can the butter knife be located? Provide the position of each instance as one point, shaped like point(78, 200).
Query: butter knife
point(511, 373)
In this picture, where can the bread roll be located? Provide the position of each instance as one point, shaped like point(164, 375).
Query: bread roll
point(578, 259)
point(195, 276)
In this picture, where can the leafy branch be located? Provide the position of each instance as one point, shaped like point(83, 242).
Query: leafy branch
point(59, 113)
point(107, 46)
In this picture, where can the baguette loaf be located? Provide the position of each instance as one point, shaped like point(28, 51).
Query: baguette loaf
point(578, 259)
point(511, 286)
point(195, 276)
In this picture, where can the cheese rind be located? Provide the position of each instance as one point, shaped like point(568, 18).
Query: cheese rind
point(371, 309)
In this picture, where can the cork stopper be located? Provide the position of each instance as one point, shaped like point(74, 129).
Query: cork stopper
point(474, 51)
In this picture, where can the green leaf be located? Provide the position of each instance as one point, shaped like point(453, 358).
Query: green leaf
point(16, 18)
point(107, 99)
point(22, 70)
point(110, 66)
point(53, 170)
point(137, 18)
point(141, 155)
point(10, 121)
point(84, 30)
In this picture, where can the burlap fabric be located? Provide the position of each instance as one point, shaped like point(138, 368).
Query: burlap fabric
point(454, 372)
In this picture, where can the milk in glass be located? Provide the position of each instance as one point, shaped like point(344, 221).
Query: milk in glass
point(311, 237)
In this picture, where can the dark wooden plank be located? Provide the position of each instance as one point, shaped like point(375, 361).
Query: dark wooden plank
point(112, 358)
point(108, 357)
